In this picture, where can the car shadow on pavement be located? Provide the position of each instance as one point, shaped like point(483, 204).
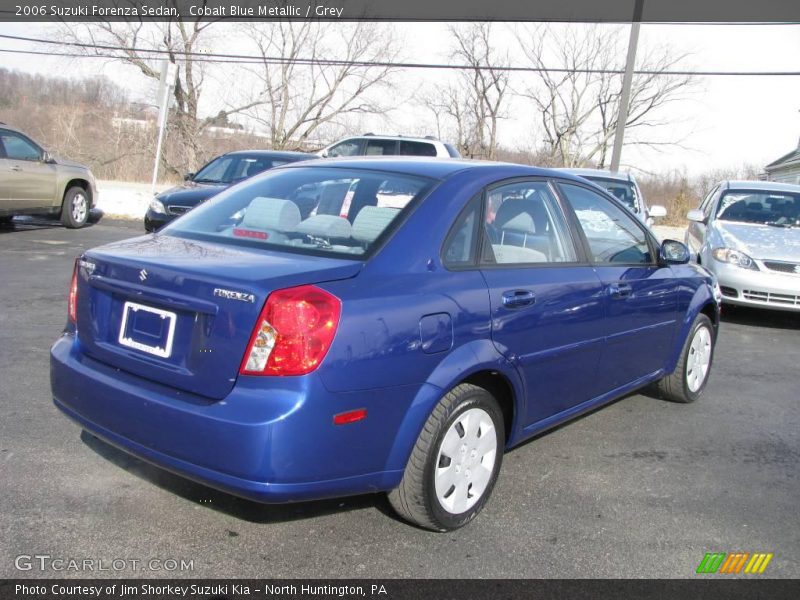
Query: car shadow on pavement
point(759, 317)
point(29, 225)
point(239, 508)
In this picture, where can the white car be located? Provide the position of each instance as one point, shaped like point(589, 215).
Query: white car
point(747, 233)
point(624, 188)
point(390, 145)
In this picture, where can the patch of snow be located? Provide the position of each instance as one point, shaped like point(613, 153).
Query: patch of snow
point(125, 199)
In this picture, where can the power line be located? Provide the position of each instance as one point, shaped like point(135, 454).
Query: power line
point(211, 57)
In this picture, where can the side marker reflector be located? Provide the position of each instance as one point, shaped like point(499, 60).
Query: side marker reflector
point(350, 416)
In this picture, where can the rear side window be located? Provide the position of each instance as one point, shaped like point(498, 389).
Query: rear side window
point(417, 149)
point(315, 210)
point(612, 233)
point(381, 147)
point(522, 224)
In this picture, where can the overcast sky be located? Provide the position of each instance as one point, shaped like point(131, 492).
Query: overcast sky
point(724, 122)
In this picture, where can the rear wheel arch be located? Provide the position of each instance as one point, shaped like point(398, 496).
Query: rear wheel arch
point(501, 390)
point(492, 373)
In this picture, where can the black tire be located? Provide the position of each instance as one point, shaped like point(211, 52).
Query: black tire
point(6, 221)
point(416, 499)
point(676, 386)
point(75, 208)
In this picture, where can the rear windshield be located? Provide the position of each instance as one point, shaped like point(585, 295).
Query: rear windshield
point(306, 209)
point(624, 191)
point(770, 208)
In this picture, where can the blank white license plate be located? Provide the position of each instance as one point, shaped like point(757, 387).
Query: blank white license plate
point(147, 329)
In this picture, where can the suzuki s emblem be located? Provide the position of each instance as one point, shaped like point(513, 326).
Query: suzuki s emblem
point(142, 274)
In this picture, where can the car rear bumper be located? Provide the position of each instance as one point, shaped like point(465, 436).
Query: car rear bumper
point(762, 289)
point(277, 445)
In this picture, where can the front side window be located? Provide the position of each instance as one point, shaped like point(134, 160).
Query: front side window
point(18, 148)
point(317, 210)
point(762, 207)
point(214, 172)
point(247, 166)
point(346, 148)
point(612, 233)
point(522, 224)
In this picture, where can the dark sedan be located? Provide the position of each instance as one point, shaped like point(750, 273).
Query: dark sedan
point(222, 172)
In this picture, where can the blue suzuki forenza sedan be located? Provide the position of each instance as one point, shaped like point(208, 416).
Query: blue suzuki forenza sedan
point(423, 317)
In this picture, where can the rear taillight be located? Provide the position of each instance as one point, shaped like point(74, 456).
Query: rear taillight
point(72, 303)
point(293, 333)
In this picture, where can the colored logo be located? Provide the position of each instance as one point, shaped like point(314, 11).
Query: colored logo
point(734, 563)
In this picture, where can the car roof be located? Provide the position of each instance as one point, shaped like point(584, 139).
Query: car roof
point(769, 186)
point(403, 138)
point(615, 175)
point(434, 168)
point(272, 154)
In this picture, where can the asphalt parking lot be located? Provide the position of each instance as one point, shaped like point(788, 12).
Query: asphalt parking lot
point(640, 488)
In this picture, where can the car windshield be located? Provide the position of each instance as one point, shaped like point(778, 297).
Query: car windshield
point(624, 191)
point(306, 209)
point(760, 206)
point(231, 168)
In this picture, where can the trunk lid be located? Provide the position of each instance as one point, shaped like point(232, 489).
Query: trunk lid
point(180, 312)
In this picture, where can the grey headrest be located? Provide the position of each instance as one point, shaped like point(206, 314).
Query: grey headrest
point(327, 226)
point(513, 215)
point(271, 213)
point(371, 221)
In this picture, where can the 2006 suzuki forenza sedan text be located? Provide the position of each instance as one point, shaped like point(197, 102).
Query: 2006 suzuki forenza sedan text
point(423, 317)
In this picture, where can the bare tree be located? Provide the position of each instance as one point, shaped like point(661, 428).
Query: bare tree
point(299, 97)
point(578, 108)
point(182, 40)
point(473, 105)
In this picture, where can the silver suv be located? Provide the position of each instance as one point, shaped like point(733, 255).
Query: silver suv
point(33, 182)
point(370, 144)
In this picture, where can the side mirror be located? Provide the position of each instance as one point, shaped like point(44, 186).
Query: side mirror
point(696, 215)
point(48, 158)
point(673, 252)
point(188, 176)
point(324, 154)
point(658, 211)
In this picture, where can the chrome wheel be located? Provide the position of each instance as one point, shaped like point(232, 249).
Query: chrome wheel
point(79, 207)
point(466, 461)
point(699, 359)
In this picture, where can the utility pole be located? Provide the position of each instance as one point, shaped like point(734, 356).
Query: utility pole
point(627, 81)
point(164, 95)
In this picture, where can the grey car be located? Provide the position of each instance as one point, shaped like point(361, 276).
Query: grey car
point(34, 182)
point(747, 233)
point(622, 186)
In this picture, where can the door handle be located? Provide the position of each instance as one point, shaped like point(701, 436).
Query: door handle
point(620, 290)
point(518, 298)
